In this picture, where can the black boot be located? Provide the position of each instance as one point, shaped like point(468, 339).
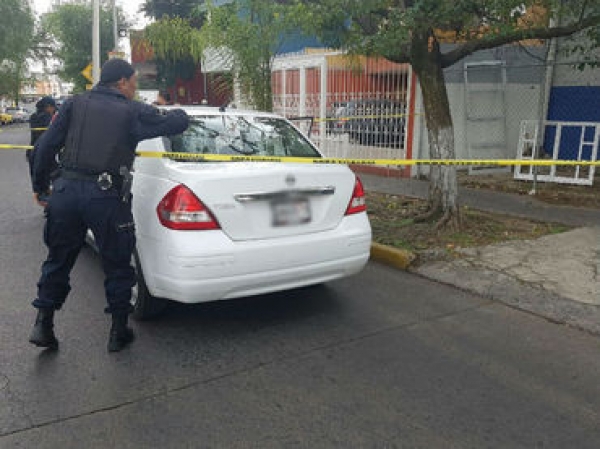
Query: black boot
point(120, 335)
point(43, 331)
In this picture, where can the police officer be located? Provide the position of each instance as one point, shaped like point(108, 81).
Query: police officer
point(41, 118)
point(39, 121)
point(99, 131)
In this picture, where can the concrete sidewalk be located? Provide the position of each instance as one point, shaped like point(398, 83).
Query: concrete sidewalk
point(556, 276)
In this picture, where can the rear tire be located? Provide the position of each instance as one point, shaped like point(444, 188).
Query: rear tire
point(145, 306)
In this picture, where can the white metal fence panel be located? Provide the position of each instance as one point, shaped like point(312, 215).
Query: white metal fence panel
point(561, 141)
point(359, 105)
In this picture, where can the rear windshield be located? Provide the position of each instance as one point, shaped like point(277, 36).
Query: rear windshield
point(226, 134)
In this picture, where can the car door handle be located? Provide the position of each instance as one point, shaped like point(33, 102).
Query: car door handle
point(268, 196)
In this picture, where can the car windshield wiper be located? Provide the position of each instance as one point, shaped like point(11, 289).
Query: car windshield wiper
point(253, 145)
point(240, 150)
point(213, 132)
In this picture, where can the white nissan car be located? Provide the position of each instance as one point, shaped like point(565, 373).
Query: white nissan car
point(218, 230)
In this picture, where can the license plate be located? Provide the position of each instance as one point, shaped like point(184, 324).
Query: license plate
point(291, 211)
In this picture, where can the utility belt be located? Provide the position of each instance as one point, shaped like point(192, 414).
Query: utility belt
point(104, 180)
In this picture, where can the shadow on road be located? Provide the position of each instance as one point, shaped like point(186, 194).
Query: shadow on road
point(251, 313)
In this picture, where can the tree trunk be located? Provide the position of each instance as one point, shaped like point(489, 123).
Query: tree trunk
point(18, 83)
point(267, 90)
point(443, 188)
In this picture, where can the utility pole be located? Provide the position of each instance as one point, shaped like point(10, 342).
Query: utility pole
point(115, 26)
point(96, 42)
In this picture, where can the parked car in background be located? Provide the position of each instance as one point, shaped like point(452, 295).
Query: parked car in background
point(5, 118)
point(379, 122)
point(334, 115)
point(209, 230)
point(19, 114)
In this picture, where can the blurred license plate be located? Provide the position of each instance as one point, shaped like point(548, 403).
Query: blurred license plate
point(291, 211)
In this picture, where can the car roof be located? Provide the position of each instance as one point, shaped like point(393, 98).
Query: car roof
point(211, 110)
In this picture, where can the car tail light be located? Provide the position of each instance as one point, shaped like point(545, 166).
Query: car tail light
point(357, 202)
point(180, 209)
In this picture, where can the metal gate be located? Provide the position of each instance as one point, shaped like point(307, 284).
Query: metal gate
point(359, 104)
point(485, 112)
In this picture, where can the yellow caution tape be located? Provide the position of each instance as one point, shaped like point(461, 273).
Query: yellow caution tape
point(16, 147)
point(317, 119)
point(197, 157)
point(386, 162)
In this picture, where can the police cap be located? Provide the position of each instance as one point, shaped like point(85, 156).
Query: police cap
point(115, 69)
point(45, 101)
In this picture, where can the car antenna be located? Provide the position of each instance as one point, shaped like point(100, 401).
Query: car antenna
point(227, 104)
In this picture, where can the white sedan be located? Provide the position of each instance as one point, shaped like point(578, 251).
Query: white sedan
point(218, 230)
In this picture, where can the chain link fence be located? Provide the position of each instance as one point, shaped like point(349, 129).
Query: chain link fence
point(516, 104)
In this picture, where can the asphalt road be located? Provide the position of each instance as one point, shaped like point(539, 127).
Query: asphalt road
point(382, 360)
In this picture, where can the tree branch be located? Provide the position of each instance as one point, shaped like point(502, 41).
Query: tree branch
point(492, 40)
point(583, 8)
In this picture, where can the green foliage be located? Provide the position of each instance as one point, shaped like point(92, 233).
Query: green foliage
point(71, 26)
point(11, 76)
point(253, 31)
point(16, 29)
point(389, 27)
point(246, 33)
point(157, 9)
point(172, 39)
point(16, 36)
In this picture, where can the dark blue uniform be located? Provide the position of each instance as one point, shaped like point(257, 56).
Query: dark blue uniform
point(38, 122)
point(98, 133)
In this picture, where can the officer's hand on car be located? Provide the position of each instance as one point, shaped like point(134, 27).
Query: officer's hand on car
point(41, 198)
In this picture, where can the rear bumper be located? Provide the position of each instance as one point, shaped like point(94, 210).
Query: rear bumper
point(192, 267)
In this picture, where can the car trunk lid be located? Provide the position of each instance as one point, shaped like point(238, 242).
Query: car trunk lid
point(256, 200)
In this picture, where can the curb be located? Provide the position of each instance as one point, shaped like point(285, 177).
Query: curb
point(398, 258)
